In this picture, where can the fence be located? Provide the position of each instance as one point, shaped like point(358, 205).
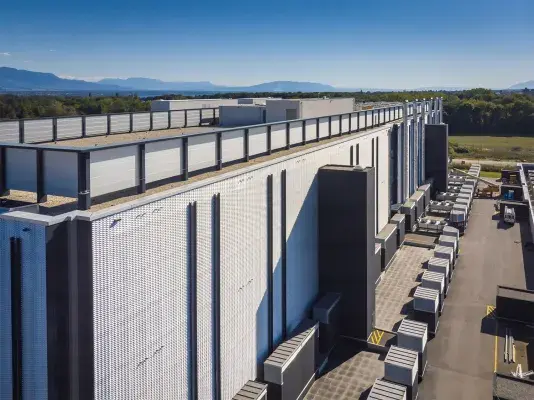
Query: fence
point(88, 172)
point(62, 128)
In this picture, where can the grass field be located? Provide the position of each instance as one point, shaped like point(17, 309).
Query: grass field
point(513, 148)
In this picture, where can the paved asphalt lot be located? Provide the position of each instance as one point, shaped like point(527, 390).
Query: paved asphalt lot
point(461, 357)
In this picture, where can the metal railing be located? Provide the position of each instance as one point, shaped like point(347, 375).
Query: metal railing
point(86, 173)
point(53, 129)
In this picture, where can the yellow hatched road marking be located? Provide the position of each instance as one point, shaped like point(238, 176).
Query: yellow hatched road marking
point(376, 336)
point(489, 309)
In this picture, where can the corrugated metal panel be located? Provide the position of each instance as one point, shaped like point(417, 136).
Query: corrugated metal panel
point(114, 169)
point(21, 165)
point(278, 136)
point(34, 332)
point(257, 141)
point(120, 123)
point(140, 302)
point(277, 253)
point(383, 178)
point(141, 122)
point(311, 130)
point(69, 127)
point(163, 160)
point(96, 125)
point(160, 120)
point(61, 173)
point(335, 125)
point(295, 132)
point(177, 119)
point(9, 132)
point(345, 124)
point(202, 152)
point(233, 143)
point(37, 130)
point(323, 127)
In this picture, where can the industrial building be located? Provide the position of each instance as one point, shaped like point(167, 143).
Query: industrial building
point(242, 115)
point(215, 264)
point(290, 109)
point(189, 104)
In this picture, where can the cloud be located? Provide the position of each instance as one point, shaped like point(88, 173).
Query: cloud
point(27, 61)
point(51, 50)
point(83, 78)
point(5, 54)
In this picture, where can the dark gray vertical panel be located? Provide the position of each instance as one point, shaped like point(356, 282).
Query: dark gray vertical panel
point(346, 233)
point(270, 277)
point(141, 169)
point(57, 310)
point(358, 154)
point(373, 152)
point(436, 155)
point(352, 155)
point(3, 189)
point(16, 316)
point(217, 296)
point(185, 158)
point(81, 313)
point(192, 278)
point(283, 205)
point(40, 174)
point(84, 180)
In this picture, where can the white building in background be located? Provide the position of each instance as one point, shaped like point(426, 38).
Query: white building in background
point(286, 110)
point(242, 115)
point(189, 104)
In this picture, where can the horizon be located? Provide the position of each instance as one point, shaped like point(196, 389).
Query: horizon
point(345, 45)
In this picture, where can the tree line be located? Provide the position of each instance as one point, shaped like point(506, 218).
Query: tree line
point(476, 111)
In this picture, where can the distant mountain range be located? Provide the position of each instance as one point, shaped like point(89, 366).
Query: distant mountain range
point(18, 80)
point(522, 85)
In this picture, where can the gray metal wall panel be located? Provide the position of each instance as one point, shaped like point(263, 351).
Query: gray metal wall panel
point(257, 141)
point(21, 165)
point(69, 127)
point(354, 121)
point(369, 119)
point(233, 143)
point(9, 132)
point(141, 122)
point(37, 130)
point(311, 130)
point(335, 125)
point(163, 160)
point(193, 117)
point(113, 170)
point(323, 127)
point(177, 119)
point(96, 125)
point(160, 120)
point(141, 302)
point(362, 120)
point(61, 173)
point(345, 123)
point(278, 136)
point(277, 253)
point(120, 123)
point(34, 328)
point(295, 132)
point(202, 152)
point(383, 179)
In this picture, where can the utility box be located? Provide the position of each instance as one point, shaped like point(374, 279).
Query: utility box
point(241, 115)
point(400, 366)
point(290, 109)
point(384, 390)
point(426, 189)
point(442, 266)
point(387, 238)
point(326, 312)
point(419, 199)
point(445, 252)
point(435, 280)
point(515, 304)
point(426, 307)
point(408, 209)
point(399, 220)
point(413, 335)
point(451, 231)
point(252, 391)
point(449, 241)
point(290, 369)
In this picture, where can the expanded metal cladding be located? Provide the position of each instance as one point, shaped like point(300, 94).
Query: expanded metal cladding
point(33, 311)
point(140, 251)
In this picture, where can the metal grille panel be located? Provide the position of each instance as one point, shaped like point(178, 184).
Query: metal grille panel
point(69, 127)
point(9, 132)
point(37, 130)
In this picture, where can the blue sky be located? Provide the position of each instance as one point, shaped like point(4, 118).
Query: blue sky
point(379, 44)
